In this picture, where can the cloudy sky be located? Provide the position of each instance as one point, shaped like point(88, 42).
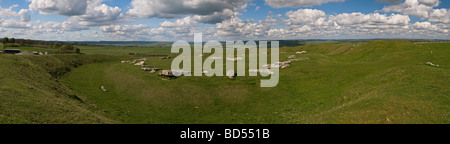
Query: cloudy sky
point(167, 20)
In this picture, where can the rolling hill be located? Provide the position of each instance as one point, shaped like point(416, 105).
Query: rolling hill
point(372, 82)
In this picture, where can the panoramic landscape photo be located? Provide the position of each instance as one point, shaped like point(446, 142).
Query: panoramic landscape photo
point(224, 62)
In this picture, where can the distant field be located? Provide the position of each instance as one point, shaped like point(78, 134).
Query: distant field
point(373, 82)
point(108, 50)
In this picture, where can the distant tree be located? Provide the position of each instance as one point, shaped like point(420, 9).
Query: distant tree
point(12, 40)
point(68, 48)
point(5, 41)
point(20, 41)
point(57, 46)
point(29, 42)
point(77, 50)
point(61, 50)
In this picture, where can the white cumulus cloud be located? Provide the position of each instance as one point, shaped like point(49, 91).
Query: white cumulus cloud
point(61, 7)
point(297, 3)
point(209, 11)
point(419, 8)
point(98, 14)
point(306, 16)
point(24, 15)
point(425, 26)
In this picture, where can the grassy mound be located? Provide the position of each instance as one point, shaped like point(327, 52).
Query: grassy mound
point(31, 93)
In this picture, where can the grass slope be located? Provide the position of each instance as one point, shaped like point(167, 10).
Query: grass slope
point(374, 82)
point(31, 93)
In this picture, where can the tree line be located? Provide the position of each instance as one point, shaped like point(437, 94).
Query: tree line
point(61, 47)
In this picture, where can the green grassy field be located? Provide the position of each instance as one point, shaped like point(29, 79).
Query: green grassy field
point(374, 82)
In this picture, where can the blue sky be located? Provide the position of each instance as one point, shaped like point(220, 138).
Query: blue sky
point(224, 20)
